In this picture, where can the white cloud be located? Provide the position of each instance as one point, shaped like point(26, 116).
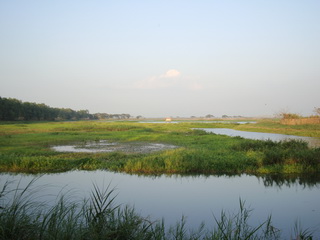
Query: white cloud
point(171, 74)
point(169, 79)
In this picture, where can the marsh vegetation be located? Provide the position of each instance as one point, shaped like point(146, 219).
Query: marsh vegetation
point(29, 147)
point(141, 148)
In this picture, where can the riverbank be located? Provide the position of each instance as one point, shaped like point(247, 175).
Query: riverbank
point(28, 147)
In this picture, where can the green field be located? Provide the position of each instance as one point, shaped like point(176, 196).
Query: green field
point(26, 147)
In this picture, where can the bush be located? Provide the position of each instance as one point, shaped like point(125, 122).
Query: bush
point(294, 144)
point(274, 156)
point(247, 145)
point(307, 157)
point(290, 115)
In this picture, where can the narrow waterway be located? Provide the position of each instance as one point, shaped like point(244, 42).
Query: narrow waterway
point(312, 142)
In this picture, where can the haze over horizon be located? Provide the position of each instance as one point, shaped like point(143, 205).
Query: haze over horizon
point(163, 58)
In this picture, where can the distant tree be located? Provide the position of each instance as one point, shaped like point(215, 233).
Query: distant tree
point(83, 114)
point(209, 116)
point(116, 116)
point(12, 109)
point(124, 116)
point(138, 117)
point(317, 110)
point(101, 116)
point(225, 116)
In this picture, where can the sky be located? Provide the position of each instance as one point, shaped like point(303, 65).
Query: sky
point(163, 58)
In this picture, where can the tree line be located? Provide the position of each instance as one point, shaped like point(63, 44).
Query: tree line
point(12, 109)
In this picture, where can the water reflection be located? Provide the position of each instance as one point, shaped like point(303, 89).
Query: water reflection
point(106, 146)
point(198, 197)
point(280, 180)
point(268, 180)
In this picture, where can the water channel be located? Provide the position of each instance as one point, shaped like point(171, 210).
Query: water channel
point(312, 142)
point(287, 199)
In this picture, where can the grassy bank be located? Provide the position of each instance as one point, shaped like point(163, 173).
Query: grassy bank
point(22, 216)
point(26, 147)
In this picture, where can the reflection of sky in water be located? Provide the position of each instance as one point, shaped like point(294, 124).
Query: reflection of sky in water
point(71, 148)
point(196, 197)
point(105, 146)
point(314, 142)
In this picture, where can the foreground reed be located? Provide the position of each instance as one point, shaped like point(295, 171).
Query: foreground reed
point(23, 217)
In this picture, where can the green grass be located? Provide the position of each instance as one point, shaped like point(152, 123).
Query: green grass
point(25, 147)
point(23, 216)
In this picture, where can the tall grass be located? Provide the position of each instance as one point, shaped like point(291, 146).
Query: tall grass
point(23, 217)
point(235, 226)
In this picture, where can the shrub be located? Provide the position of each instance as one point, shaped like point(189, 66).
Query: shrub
point(273, 156)
point(308, 157)
point(247, 145)
point(290, 115)
point(294, 144)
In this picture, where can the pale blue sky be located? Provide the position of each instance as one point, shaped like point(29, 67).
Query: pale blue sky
point(163, 58)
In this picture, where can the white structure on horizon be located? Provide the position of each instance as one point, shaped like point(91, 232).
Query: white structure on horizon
point(168, 120)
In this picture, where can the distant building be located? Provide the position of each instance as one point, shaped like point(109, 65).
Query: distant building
point(168, 120)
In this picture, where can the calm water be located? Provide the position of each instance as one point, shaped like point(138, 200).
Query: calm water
point(197, 197)
point(106, 146)
point(313, 142)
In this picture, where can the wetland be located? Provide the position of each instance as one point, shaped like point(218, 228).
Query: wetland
point(167, 171)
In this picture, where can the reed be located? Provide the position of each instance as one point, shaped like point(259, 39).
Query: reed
point(23, 217)
point(301, 121)
point(236, 226)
